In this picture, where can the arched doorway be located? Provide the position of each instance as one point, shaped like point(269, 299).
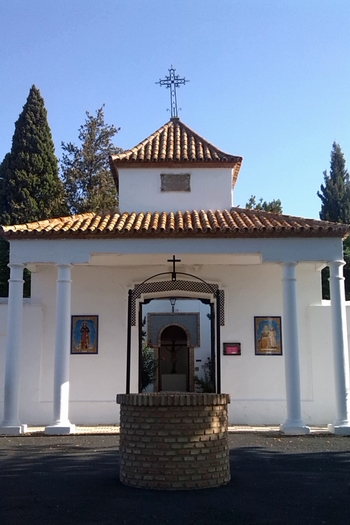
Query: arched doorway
point(174, 360)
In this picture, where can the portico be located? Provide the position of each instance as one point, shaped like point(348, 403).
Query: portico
point(266, 264)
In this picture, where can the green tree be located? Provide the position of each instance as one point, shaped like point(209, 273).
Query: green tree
point(149, 366)
point(335, 198)
point(275, 206)
point(85, 170)
point(335, 192)
point(30, 187)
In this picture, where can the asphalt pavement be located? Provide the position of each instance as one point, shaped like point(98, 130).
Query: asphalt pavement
point(276, 480)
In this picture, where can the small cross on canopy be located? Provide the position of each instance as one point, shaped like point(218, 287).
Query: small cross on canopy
point(174, 261)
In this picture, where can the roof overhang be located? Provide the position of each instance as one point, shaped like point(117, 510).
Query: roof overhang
point(233, 223)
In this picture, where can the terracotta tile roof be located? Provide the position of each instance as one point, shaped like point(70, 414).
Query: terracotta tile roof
point(234, 223)
point(175, 145)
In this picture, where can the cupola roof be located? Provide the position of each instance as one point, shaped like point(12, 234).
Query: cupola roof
point(175, 145)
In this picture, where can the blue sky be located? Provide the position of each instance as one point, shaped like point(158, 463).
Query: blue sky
point(269, 79)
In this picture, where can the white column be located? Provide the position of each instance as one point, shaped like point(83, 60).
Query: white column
point(11, 423)
point(61, 423)
point(340, 349)
point(293, 423)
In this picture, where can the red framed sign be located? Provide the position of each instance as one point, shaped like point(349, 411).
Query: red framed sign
point(232, 348)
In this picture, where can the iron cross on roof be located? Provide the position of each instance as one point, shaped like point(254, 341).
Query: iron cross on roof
point(172, 82)
point(174, 261)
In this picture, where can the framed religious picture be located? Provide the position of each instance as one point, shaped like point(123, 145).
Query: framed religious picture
point(232, 348)
point(268, 335)
point(84, 334)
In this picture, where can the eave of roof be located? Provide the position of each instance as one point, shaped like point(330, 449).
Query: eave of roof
point(233, 223)
point(175, 145)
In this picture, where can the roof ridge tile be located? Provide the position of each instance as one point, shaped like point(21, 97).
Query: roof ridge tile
point(213, 220)
point(179, 221)
point(146, 221)
point(113, 221)
point(204, 221)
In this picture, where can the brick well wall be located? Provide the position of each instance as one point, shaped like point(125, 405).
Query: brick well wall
point(174, 441)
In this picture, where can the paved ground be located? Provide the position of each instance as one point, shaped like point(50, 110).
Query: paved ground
point(276, 480)
point(113, 429)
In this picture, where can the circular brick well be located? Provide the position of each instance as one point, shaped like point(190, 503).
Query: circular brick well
point(174, 440)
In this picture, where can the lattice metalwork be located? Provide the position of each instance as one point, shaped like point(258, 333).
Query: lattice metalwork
point(222, 307)
point(199, 287)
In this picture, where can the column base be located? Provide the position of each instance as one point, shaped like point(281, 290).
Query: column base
point(294, 428)
point(13, 430)
point(60, 428)
point(339, 429)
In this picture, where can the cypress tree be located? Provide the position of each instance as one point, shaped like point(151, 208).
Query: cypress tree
point(335, 192)
point(335, 197)
point(30, 188)
point(85, 170)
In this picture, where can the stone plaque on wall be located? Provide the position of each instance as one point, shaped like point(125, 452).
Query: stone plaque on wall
point(175, 182)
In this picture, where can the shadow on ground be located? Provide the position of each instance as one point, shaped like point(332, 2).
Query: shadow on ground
point(275, 481)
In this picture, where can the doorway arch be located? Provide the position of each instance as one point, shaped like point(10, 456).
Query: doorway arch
point(174, 360)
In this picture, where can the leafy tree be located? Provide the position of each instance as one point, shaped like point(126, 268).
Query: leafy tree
point(206, 385)
point(275, 206)
point(30, 188)
point(85, 169)
point(149, 366)
point(335, 197)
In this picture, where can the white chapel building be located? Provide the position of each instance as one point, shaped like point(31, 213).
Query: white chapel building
point(207, 285)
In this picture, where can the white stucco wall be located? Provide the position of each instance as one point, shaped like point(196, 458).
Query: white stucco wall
point(94, 379)
point(140, 190)
point(256, 383)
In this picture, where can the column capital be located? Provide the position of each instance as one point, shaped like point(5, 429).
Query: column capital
point(64, 272)
point(336, 270)
point(337, 264)
point(289, 268)
point(16, 272)
point(289, 263)
point(15, 265)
